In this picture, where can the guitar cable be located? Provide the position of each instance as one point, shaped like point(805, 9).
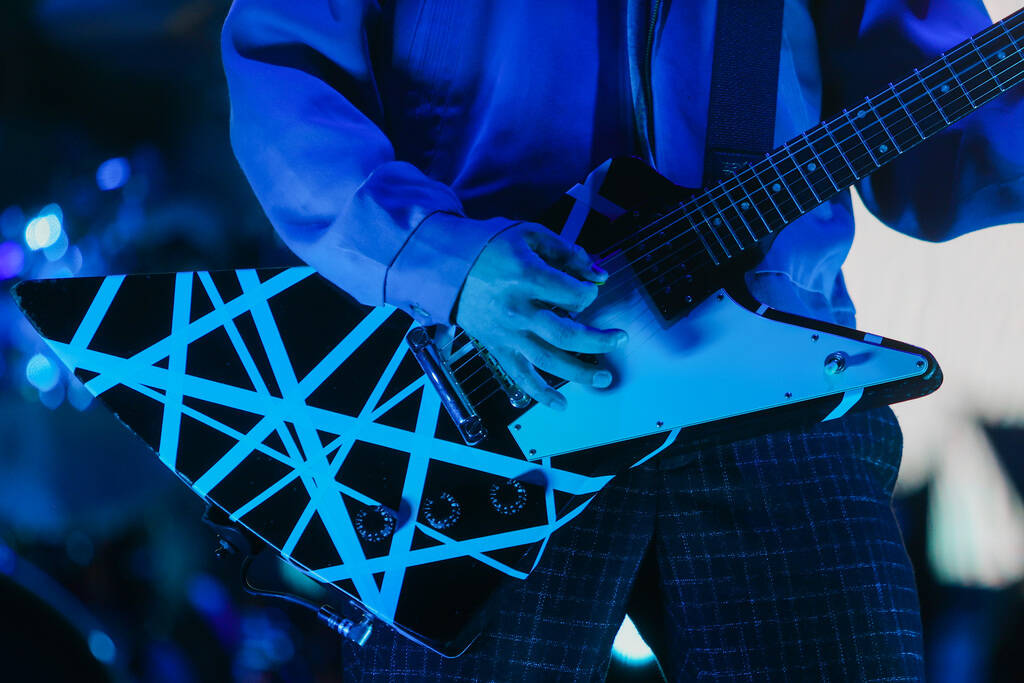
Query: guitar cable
point(357, 632)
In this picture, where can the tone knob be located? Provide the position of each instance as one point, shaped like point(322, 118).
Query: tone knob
point(374, 524)
point(443, 511)
point(508, 497)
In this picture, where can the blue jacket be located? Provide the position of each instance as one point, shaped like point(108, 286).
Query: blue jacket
point(389, 141)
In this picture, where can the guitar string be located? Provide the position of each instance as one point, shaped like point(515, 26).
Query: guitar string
point(893, 133)
point(821, 129)
point(970, 51)
point(966, 90)
point(657, 227)
point(1000, 86)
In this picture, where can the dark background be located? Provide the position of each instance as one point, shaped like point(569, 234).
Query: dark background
point(113, 122)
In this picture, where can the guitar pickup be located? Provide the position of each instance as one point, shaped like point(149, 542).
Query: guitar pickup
point(453, 398)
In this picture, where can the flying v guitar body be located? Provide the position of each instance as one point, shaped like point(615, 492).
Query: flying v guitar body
point(308, 420)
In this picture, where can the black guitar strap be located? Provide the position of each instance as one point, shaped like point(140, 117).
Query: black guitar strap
point(744, 85)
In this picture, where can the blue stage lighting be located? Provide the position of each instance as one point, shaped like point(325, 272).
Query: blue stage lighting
point(56, 251)
point(12, 259)
point(102, 647)
point(113, 174)
point(45, 229)
point(42, 373)
point(629, 647)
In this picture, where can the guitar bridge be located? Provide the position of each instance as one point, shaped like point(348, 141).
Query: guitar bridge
point(516, 396)
point(453, 398)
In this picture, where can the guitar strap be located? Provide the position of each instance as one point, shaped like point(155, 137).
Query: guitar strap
point(744, 85)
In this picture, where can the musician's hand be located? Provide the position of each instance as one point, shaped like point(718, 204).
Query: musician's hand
point(506, 305)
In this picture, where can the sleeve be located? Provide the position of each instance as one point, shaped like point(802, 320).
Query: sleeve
point(306, 129)
point(967, 177)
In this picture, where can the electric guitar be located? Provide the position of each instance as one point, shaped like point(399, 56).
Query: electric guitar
point(410, 473)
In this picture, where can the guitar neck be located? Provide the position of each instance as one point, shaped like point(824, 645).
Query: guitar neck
point(766, 196)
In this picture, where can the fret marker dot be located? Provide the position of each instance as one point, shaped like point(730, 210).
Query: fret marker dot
point(811, 166)
point(1001, 54)
point(716, 221)
point(883, 148)
point(861, 114)
point(945, 87)
point(744, 205)
point(776, 187)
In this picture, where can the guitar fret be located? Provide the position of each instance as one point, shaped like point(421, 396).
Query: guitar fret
point(824, 168)
point(984, 61)
point(722, 220)
point(738, 209)
point(904, 106)
point(768, 194)
point(746, 206)
point(707, 221)
point(852, 145)
point(1016, 50)
point(931, 96)
point(863, 141)
point(796, 163)
point(782, 181)
point(707, 247)
point(901, 128)
point(957, 79)
point(881, 123)
point(839, 149)
point(1009, 35)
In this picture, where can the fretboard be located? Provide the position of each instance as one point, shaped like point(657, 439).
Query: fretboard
point(764, 197)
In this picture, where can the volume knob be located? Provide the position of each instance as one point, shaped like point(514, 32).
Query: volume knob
point(374, 524)
point(443, 511)
point(508, 497)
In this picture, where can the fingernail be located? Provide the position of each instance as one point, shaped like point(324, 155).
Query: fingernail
point(598, 271)
point(620, 339)
point(602, 379)
point(557, 402)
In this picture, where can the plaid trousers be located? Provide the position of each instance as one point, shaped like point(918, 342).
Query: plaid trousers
point(774, 558)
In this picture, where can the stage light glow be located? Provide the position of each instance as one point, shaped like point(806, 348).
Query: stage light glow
point(113, 174)
point(45, 229)
point(56, 251)
point(102, 647)
point(42, 373)
point(629, 647)
point(207, 595)
point(78, 396)
point(12, 259)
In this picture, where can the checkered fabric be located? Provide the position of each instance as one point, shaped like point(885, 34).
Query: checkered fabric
point(777, 558)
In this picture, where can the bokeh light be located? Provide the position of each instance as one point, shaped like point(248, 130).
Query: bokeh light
point(45, 229)
point(42, 373)
point(102, 647)
point(113, 174)
point(56, 251)
point(12, 259)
